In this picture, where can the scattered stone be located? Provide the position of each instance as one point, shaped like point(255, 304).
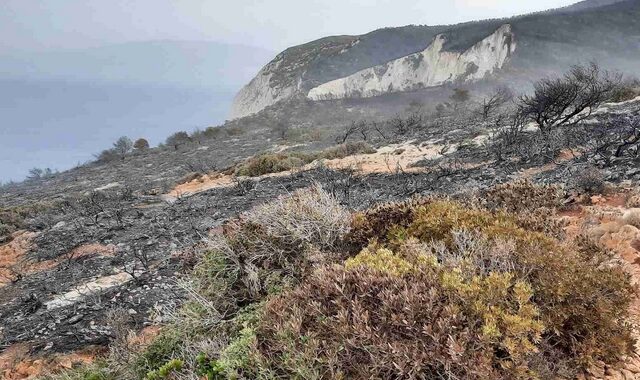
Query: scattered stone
point(75, 319)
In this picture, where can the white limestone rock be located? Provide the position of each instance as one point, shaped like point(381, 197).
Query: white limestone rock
point(261, 92)
point(430, 68)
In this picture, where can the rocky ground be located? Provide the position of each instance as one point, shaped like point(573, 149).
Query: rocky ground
point(120, 236)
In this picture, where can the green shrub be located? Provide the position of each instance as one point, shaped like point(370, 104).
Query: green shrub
point(209, 368)
point(273, 163)
point(237, 357)
point(174, 365)
point(447, 291)
point(160, 352)
point(429, 322)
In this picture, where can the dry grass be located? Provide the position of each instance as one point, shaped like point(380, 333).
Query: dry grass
point(632, 218)
point(269, 247)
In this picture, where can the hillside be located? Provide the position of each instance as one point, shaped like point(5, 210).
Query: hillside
point(112, 269)
point(545, 43)
point(586, 4)
point(399, 225)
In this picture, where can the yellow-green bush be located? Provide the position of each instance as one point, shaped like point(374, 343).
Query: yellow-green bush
point(158, 354)
point(165, 370)
point(272, 163)
point(347, 149)
point(279, 162)
point(448, 291)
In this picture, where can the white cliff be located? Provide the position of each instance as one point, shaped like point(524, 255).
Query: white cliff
point(429, 68)
point(261, 92)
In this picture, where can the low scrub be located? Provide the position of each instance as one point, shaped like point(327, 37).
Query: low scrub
point(269, 247)
point(521, 196)
point(452, 292)
point(590, 181)
point(629, 90)
point(279, 162)
point(430, 288)
point(17, 218)
point(273, 163)
point(95, 371)
point(632, 218)
point(160, 352)
point(347, 149)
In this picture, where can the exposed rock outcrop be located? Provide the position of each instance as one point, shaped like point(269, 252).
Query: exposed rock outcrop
point(429, 68)
point(396, 60)
point(262, 92)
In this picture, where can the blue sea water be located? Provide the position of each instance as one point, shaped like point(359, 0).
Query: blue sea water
point(59, 124)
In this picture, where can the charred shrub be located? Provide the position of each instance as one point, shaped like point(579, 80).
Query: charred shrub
point(521, 196)
point(612, 138)
point(590, 181)
point(566, 101)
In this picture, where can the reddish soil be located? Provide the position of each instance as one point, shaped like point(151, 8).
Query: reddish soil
point(13, 261)
point(17, 364)
point(12, 255)
point(602, 220)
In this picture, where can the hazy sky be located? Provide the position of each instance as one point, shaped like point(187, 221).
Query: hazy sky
point(274, 24)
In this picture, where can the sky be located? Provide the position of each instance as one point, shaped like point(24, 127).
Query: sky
point(272, 24)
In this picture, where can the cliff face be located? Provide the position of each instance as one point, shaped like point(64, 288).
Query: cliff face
point(282, 78)
point(429, 68)
point(393, 60)
point(288, 74)
point(262, 92)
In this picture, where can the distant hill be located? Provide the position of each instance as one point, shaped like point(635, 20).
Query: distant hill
point(586, 4)
point(173, 63)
